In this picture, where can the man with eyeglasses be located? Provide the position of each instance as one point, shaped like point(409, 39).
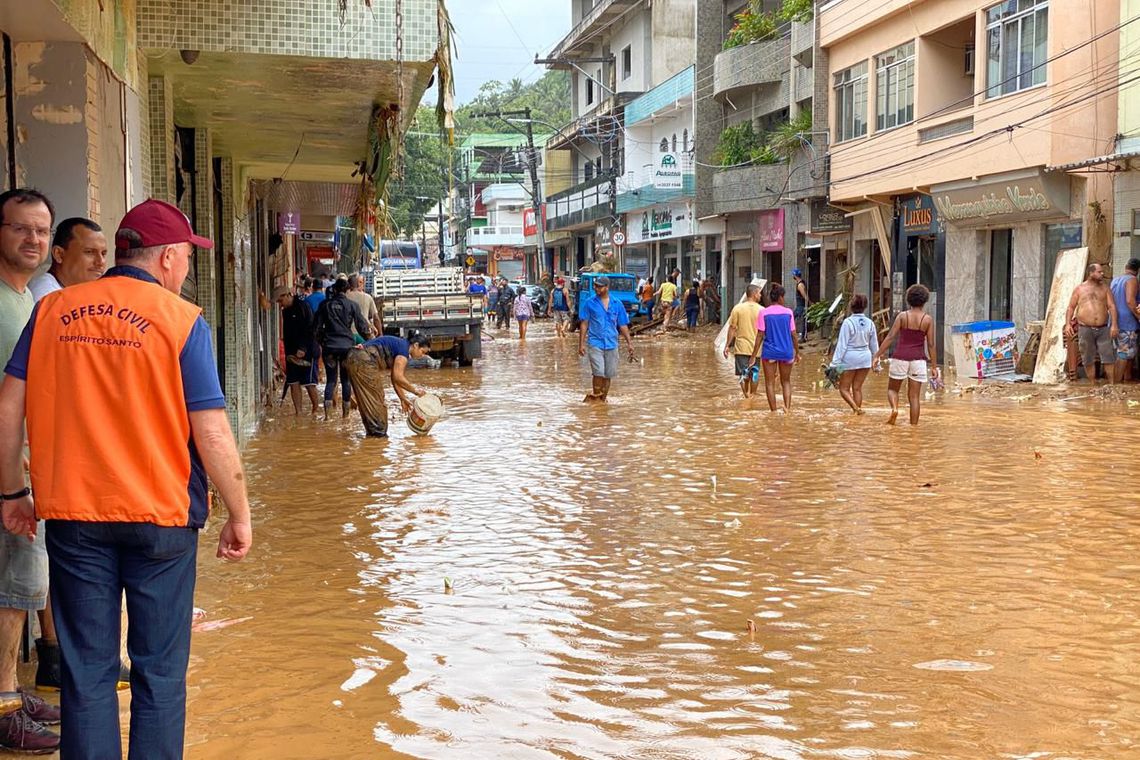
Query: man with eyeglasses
point(603, 319)
point(26, 218)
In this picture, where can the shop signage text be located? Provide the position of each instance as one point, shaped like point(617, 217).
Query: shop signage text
point(919, 216)
point(772, 230)
point(659, 223)
point(667, 173)
point(1034, 197)
point(827, 218)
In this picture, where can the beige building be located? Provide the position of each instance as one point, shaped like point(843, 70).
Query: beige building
point(958, 133)
point(239, 112)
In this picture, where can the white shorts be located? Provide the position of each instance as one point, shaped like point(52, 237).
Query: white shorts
point(901, 369)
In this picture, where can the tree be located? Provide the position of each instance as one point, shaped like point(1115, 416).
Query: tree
point(425, 179)
point(548, 99)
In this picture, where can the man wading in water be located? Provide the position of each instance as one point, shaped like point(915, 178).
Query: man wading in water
point(602, 319)
point(1094, 309)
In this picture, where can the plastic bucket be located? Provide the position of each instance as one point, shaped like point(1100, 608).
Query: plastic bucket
point(426, 411)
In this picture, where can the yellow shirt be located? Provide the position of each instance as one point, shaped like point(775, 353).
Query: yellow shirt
point(668, 293)
point(743, 318)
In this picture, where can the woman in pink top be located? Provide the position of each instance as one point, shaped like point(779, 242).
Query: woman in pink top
point(914, 329)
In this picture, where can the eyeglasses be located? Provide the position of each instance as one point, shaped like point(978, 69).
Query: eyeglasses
point(24, 230)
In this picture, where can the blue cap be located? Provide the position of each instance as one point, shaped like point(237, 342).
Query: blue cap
point(797, 272)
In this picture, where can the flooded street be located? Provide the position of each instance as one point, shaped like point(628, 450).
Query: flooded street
point(541, 578)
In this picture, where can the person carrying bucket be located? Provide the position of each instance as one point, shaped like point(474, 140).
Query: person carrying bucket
point(366, 366)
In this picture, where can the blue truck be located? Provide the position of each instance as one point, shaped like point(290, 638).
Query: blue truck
point(623, 287)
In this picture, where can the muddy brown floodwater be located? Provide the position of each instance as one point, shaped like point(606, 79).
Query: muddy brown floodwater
point(540, 578)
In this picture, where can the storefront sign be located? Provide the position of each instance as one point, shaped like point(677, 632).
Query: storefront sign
point(1024, 197)
point(827, 218)
point(288, 223)
point(667, 173)
point(661, 222)
point(919, 216)
point(317, 237)
point(772, 230)
point(530, 229)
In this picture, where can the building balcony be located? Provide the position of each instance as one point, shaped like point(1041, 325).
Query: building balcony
point(803, 41)
point(749, 66)
point(580, 205)
point(506, 193)
point(578, 40)
point(748, 188)
point(491, 237)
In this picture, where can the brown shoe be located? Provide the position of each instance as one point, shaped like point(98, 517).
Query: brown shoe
point(19, 733)
point(39, 710)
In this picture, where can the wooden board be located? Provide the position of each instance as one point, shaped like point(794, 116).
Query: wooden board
point(1068, 274)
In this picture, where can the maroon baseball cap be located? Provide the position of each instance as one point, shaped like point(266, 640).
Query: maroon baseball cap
point(159, 223)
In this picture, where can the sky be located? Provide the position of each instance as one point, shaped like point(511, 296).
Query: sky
point(498, 39)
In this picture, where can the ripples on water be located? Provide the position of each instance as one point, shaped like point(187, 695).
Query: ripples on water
point(543, 578)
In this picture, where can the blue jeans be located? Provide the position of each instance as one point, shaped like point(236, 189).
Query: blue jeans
point(801, 322)
point(334, 366)
point(91, 565)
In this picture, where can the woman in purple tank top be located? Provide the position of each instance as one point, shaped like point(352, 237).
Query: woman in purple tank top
point(914, 329)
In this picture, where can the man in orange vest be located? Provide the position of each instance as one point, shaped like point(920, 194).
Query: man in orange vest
point(125, 419)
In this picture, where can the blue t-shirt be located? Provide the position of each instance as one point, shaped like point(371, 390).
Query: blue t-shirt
point(477, 288)
point(200, 384)
point(315, 300)
point(393, 345)
point(604, 323)
point(777, 323)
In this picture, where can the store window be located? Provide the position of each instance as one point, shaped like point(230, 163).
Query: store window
point(1001, 275)
point(1016, 46)
point(851, 103)
point(894, 87)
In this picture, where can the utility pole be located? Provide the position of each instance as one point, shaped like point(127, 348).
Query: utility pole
point(532, 165)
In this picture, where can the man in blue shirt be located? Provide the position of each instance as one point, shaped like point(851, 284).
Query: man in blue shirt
point(603, 319)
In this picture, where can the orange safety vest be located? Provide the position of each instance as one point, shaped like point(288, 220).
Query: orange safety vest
point(108, 429)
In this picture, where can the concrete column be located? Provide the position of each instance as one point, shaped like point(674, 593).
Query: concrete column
point(1029, 289)
point(202, 215)
point(160, 118)
point(965, 292)
point(238, 308)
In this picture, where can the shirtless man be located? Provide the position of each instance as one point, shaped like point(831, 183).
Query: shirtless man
point(1093, 309)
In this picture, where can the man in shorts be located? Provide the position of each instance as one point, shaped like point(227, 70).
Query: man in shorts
point(1124, 293)
point(603, 319)
point(560, 306)
point(742, 338)
point(1094, 309)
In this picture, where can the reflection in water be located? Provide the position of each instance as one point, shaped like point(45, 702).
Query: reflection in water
point(544, 578)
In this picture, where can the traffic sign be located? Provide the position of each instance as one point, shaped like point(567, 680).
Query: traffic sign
point(619, 238)
point(470, 261)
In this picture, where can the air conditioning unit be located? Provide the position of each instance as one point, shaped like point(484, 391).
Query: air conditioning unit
point(968, 61)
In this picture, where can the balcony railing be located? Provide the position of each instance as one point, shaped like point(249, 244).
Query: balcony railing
point(752, 65)
point(585, 202)
point(509, 235)
point(602, 14)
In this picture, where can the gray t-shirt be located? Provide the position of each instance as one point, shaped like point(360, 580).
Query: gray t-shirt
point(42, 284)
point(15, 309)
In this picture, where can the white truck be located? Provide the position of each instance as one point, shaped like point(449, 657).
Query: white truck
point(434, 302)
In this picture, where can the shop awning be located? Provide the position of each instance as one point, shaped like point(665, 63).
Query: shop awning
point(1111, 158)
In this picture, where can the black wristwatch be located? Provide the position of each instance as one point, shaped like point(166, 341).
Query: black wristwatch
point(25, 491)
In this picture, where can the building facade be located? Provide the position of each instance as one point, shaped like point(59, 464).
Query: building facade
point(617, 50)
point(250, 117)
point(761, 148)
point(959, 130)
